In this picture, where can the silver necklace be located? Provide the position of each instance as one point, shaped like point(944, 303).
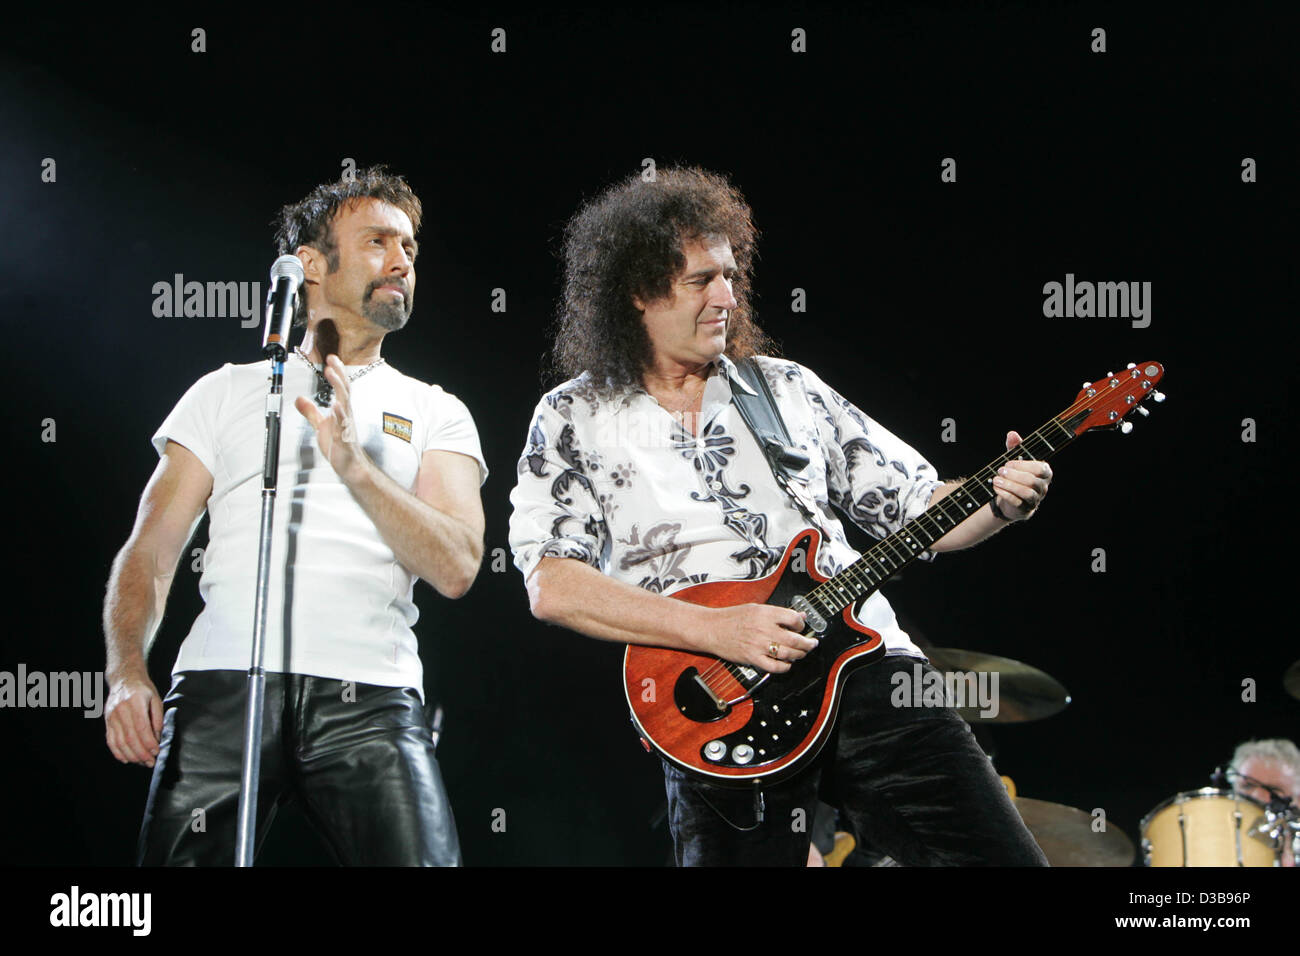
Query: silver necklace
point(324, 390)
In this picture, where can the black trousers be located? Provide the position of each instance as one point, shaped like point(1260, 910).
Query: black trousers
point(912, 780)
point(359, 757)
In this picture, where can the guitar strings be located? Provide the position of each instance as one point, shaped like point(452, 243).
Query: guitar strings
point(715, 676)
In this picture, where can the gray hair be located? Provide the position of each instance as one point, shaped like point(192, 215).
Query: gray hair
point(1279, 751)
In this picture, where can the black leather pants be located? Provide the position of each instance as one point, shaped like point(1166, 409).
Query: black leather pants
point(912, 781)
point(359, 758)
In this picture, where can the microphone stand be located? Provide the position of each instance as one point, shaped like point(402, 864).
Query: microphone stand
point(251, 763)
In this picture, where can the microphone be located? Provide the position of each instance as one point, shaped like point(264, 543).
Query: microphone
point(281, 303)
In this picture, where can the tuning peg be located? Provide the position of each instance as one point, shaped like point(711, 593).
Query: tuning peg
point(1131, 365)
point(1142, 411)
point(1087, 384)
point(1110, 374)
point(1125, 427)
point(1158, 396)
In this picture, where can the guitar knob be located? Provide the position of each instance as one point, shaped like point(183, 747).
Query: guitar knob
point(1142, 411)
point(1125, 427)
point(715, 750)
point(744, 753)
point(1158, 396)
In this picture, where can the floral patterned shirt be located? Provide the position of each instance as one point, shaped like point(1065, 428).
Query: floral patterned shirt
point(618, 483)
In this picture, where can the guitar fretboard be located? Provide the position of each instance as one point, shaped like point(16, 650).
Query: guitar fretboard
point(890, 555)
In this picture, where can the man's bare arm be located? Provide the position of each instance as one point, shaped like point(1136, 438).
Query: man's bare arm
point(137, 591)
point(1019, 489)
point(437, 533)
point(568, 592)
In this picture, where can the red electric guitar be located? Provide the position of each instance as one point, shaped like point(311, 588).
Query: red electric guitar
point(736, 724)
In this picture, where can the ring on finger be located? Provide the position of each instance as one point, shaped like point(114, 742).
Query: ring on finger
point(772, 650)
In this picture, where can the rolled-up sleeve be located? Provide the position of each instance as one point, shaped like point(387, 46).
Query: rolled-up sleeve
point(874, 477)
point(557, 513)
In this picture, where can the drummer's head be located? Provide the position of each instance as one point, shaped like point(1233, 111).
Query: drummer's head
point(1274, 762)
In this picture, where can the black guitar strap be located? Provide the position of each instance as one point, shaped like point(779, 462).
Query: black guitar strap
point(760, 413)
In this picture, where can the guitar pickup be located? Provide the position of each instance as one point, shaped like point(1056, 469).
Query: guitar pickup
point(811, 617)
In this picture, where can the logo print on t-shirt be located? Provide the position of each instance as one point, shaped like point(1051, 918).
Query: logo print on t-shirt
point(397, 426)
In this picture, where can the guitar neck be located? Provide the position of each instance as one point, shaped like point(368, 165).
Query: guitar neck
point(887, 557)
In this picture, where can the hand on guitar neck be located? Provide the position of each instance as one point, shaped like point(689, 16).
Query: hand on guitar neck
point(1021, 484)
point(1020, 487)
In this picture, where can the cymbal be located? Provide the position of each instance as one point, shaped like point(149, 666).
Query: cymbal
point(1291, 680)
point(1023, 692)
point(1067, 837)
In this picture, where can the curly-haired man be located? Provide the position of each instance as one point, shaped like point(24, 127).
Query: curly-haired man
point(383, 475)
point(640, 477)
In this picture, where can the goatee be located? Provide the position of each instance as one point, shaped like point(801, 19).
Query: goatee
point(386, 312)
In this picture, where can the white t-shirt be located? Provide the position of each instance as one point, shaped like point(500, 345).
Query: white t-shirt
point(340, 604)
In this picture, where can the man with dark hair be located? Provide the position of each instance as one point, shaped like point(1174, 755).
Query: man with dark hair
point(379, 482)
point(640, 477)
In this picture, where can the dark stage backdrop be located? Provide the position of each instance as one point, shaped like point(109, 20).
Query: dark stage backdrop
point(1167, 159)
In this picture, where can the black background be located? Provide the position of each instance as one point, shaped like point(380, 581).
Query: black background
point(924, 303)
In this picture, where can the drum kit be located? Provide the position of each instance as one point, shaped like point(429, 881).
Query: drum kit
point(1213, 826)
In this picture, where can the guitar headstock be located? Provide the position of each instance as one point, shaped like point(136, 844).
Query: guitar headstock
point(1108, 402)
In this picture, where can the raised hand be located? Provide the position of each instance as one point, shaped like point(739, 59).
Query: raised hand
point(336, 430)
